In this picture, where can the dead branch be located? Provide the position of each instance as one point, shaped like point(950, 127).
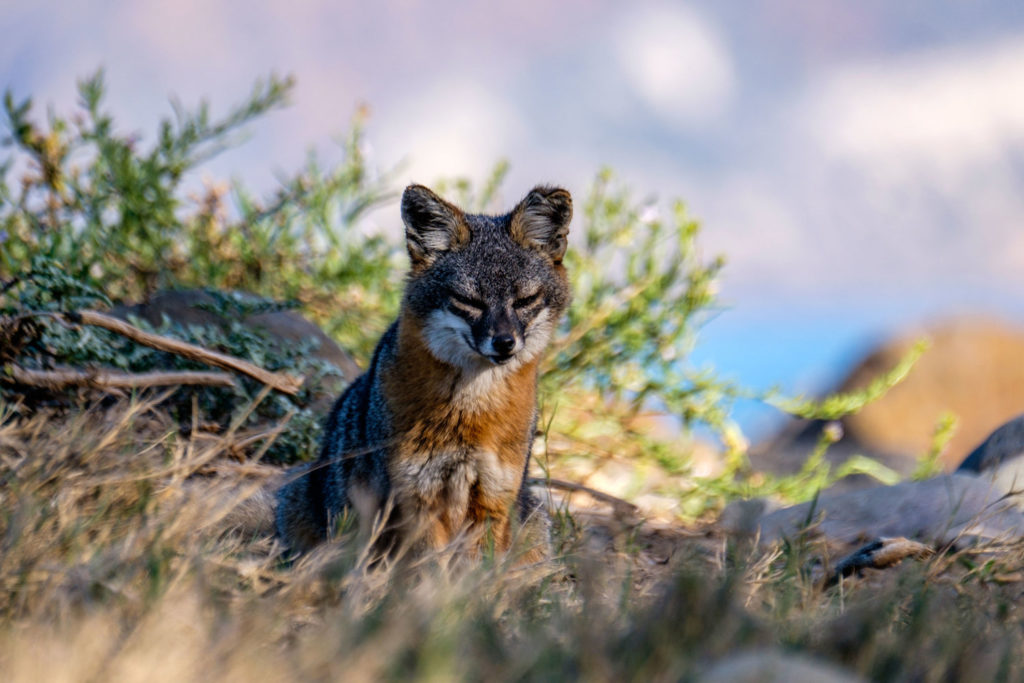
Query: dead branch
point(280, 381)
point(109, 379)
point(614, 501)
point(879, 554)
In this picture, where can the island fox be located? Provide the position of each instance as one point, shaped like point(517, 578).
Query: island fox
point(437, 432)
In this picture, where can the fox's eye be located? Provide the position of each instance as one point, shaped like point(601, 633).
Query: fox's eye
point(465, 305)
point(526, 301)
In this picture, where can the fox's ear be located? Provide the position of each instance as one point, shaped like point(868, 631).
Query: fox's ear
point(541, 221)
point(432, 225)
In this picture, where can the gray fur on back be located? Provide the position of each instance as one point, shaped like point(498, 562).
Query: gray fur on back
point(316, 493)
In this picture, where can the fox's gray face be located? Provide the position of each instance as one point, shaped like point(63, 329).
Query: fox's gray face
point(487, 290)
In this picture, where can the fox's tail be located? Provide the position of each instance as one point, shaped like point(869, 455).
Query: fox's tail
point(222, 505)
point(251, 513)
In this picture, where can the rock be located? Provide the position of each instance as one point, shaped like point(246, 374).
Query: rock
point(998, 459)
point(982, 500)
point(1002, 445)
point(774, 666)
point(786, 453)
point(941, 510)
point(744, 516)
point(974, 369)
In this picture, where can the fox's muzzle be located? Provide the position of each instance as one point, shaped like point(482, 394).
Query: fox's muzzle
point(500, 339)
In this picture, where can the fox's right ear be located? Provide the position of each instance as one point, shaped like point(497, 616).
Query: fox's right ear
point(541, 221)
point(432, 226)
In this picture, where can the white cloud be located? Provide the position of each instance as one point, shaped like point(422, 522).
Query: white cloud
point(942, 112)
point(676, 62)
point(454, 127)
point(899, 174)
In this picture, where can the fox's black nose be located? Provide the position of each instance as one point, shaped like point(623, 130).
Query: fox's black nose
point(503, 344)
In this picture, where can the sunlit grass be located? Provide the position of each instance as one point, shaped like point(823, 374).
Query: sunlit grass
point(131, 552)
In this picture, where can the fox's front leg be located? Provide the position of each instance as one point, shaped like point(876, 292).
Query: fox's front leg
point(489, 532)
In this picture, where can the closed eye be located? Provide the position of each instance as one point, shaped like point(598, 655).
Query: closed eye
point(527, 301)
point(466, 305)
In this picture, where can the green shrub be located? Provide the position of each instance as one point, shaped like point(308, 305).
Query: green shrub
point(111, 211)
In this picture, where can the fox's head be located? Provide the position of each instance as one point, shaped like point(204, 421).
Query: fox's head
point(486, 290)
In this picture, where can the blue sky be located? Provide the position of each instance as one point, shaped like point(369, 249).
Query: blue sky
point(861, 164)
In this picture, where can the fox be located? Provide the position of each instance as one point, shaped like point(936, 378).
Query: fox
point(433, 442)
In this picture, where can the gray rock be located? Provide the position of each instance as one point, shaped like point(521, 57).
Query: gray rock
point(189, 307)
point(1005, 443)
point(744, 516)
point(945, 509)
point(1008, 478)
point(774, 666)
point(998, 459)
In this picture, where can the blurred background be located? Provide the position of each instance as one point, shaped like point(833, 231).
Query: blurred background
point(860, 164)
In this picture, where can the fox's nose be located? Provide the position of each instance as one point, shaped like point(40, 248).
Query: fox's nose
point(503, 344)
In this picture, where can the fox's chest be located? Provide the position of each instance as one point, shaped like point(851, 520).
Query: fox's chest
point(459, 447)
point(459, 483)
point(459, 462)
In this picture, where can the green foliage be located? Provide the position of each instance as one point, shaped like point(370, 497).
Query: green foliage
point(98, 217)
point(113, 213)
point(837, 405)
point(94, 201)
point(640, 291)
point(930, 463)
point(46, 286)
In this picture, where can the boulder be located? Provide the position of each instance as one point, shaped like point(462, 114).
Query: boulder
point(774, 666)
point(950, 508)
point(998, 459)
point(999, 448)
point(974, 369)
point(982, 500)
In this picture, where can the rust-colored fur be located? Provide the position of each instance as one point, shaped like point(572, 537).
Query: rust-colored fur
point(435, 430)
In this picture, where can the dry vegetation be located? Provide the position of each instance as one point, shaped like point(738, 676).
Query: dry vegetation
point(132, 552)
point(135, 531)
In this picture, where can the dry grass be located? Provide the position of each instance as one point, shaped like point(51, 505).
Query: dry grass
point(131, 552)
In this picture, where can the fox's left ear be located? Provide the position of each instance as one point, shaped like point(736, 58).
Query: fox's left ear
point(432, 226)
point(541, 221)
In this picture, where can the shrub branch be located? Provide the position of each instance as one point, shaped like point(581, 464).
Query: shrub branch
point(617, 503)
point(282, 382)
point(107, 379)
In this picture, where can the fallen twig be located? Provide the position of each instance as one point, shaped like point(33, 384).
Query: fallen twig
point(280, 381)
point(614, 501)
point(109, 379)
point(879, 554)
